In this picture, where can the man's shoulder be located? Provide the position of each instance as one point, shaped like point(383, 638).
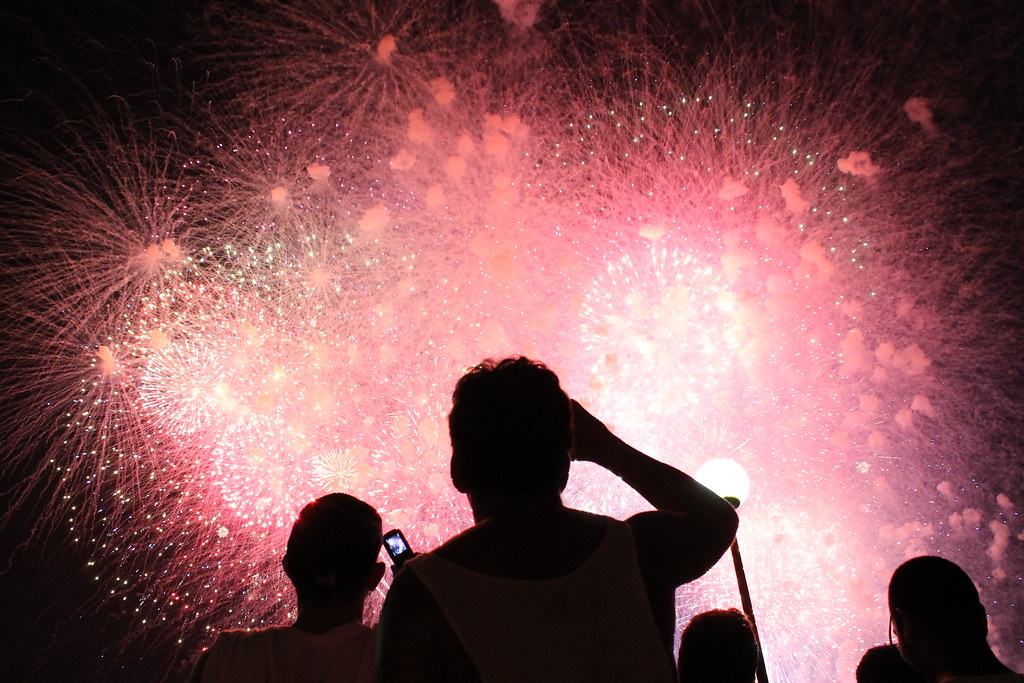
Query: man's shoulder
point(457, 543)
point(516, 550)
point(406, 585)
point(288, 637)
point(254, 635)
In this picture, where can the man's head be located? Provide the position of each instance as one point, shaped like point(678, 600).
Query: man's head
point(934, 608)
point(718, 646)
point(883, 664)
point(333, 550)
point(511, 429)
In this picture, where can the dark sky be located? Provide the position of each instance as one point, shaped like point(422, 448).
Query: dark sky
point(52, 629)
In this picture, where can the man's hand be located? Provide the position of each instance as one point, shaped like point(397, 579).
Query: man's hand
point(591, 440)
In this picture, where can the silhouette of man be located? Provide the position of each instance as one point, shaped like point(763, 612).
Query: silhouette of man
point(536, 591)
point(332, 560)
point(718, 646)
point(941, 624)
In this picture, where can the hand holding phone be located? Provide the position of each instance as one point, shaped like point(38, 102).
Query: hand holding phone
point(397, 548)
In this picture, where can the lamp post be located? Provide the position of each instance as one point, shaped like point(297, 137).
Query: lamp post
point(728, 479)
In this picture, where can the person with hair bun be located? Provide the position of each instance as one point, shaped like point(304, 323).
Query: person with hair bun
point(332, 559)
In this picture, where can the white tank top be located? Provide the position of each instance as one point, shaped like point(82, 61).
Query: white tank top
point(594, 624)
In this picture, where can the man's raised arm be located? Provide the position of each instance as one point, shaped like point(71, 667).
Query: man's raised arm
point(692, 526)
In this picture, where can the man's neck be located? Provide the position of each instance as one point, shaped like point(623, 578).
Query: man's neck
point(319, 618)
point(499, 507)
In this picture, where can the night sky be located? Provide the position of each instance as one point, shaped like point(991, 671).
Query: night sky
point(57, 622)
point(54, 629)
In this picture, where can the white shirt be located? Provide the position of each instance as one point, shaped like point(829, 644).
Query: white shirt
point(283, 654)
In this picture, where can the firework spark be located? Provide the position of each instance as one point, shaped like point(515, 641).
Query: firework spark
point(752, 245)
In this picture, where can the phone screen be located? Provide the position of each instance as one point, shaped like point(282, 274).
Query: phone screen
point(397, 547)
point(396, 544)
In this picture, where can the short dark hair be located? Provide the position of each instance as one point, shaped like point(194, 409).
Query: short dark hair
point(332, 547)
point(939, 591)
point(884, 664)
point(511, 427)
point(718, 646)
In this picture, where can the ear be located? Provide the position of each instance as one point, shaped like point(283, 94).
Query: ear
point(286, 564)
point(458, 478)
point(899, 623)
point(979, 621)
point(375, 575)
point(563, 474)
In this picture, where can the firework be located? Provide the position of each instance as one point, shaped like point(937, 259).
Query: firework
point(738, 244)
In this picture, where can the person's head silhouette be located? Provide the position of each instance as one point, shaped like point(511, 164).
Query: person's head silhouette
point(939, 620)
point(884, 664)
point(332, 560)
point(332, 555)
point(511, 429)
point(718, 646)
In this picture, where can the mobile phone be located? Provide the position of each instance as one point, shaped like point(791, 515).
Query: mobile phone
point(397, 547)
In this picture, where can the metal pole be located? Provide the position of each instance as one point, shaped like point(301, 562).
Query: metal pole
point(748, 609)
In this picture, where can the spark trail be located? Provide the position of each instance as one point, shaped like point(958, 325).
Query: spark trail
point(729, 244)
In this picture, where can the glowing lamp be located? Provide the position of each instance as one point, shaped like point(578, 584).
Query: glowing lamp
point(725, 477)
